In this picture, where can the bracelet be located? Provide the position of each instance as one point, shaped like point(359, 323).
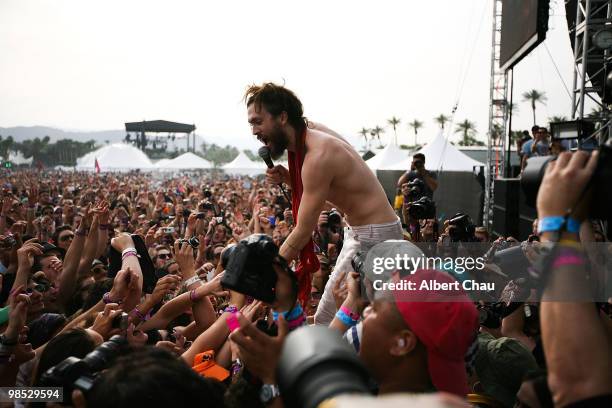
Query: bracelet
point(568, 261)
point(140, 315)
point(127, 255)
point(82, 232)
point(106, 299)
point(236, 366)
point(132, 249)
point(191, 281)
point(345, 319)
point(297, 322)
point(290, 315)
point(558, 223)
point(571, 244)
point(230, 309)
point(350, 313)
point(192, 296)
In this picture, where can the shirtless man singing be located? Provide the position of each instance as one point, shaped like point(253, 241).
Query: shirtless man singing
point(332, 172)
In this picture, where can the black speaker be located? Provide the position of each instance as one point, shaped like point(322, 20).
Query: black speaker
point(506, 207)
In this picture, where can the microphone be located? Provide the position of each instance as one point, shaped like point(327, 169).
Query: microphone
point(264, 153)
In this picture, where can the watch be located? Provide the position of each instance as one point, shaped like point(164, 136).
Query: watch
point(268, 392)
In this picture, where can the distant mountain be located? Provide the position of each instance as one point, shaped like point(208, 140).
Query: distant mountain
point(21, 133)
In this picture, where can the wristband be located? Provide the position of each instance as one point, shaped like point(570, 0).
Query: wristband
point(106, 299)
point(568, 260)
point(558, 223)
point(140, 315)
point(232, 322)
point(566, 243)
point(297, 322)
point(127, 255)
point(230, 309)
point(82, 232)
point(290, 315)
point(350, 313)
point(128, 250)
point(345, 319)
point(192, 296)
point(192, 280)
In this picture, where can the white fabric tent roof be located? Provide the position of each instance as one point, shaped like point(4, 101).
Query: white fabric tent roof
point(187, 161)
point(18, 158)
point(115, 157)
point(390, 155)
point(242, 165)
point(440, 155)
point(161, 163)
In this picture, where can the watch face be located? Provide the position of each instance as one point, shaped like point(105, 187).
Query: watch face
point(266, 393)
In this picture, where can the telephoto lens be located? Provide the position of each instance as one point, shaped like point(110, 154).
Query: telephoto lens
point(317, 364)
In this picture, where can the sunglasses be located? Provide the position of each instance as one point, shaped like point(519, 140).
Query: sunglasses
point(66, 237)
point(164, 256)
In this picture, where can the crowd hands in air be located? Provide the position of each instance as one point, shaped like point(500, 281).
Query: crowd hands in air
point(186, 340)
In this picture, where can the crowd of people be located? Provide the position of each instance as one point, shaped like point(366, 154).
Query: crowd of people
point(113, 288)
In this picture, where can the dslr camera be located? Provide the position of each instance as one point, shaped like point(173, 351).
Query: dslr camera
point(193, 242)
point(75, 373)
point(250, 268)
point(461, 228)
point(416, 190)
point(334, 219)
point(423, 208)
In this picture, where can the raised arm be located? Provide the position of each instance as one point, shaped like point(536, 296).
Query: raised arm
point(577, 346)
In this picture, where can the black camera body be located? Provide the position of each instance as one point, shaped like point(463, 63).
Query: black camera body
point(601, 201)
point(423, 208)
point(461, 228)
point(416, 190)
point(193, 242)
point(250, 268)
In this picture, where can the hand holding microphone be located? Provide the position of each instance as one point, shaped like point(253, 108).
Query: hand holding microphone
point(275, 174)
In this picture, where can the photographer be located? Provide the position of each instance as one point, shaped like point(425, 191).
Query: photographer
point(417, 171)
point(575, 339)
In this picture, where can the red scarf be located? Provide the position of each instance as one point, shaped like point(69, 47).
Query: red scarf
point(308, 263)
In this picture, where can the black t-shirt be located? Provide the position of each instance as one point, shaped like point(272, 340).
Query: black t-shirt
point(412, 174)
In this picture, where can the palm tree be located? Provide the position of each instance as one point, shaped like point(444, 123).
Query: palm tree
point(415, 125)
point(364, 132)
point(496, 133)
point(557, 119)
point(376, 132)
point(468, 129)
point(394, 122)
point(441, 120)
point(534, 96)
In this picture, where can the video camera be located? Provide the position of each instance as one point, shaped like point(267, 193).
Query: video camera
point(75, 373)
point(601, 201)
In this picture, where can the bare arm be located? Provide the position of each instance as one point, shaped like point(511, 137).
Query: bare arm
point(67, 278)
point(316, 187)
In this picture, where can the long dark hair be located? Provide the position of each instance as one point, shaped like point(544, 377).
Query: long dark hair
point(277, 99)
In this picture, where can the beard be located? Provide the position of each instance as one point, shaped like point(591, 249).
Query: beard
point(278, 142)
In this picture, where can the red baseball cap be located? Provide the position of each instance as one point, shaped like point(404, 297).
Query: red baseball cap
point(445, 320)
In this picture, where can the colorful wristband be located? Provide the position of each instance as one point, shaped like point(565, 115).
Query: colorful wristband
point(350, 313)
point(557, 223)
point(345, 319)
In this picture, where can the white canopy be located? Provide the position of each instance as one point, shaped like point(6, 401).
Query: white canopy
point(115, 157)
point(18, 158)
point(160, 164)
point(388, 156)
point(186, 161)
point(242, 165)
point(440, 155)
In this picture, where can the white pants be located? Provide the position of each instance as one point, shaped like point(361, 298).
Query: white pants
point(363, 238)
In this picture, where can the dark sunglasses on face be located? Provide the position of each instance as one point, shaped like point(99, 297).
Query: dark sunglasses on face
point(66, 237)
point(164, 256)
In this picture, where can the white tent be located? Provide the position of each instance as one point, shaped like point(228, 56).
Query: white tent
point(186, 161)
point(115, 157)
point(242, 165)
point(390, 155)
point(440, 155)
point(18, 158)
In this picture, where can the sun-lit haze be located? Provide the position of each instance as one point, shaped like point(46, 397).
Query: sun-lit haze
point(87, 65)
